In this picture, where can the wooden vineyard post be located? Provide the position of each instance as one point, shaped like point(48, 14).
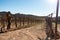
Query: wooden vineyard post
point(20, 20)
point(15, 21)
point(23, 21)
point(31, 21)
point(34, 20)
point(57, 9)
point(28, 21)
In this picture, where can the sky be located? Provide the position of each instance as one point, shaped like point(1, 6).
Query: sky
point(33, 7)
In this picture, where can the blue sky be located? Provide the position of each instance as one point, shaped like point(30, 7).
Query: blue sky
point(34, 7)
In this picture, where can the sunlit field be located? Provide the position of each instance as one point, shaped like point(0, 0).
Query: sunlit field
point(26, 32)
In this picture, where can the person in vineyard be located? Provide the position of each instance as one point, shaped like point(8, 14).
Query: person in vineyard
point(49, 30)
point(8, 18)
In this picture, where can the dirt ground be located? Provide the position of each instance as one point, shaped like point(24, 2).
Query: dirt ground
point(32, 33)
point(36, 32)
